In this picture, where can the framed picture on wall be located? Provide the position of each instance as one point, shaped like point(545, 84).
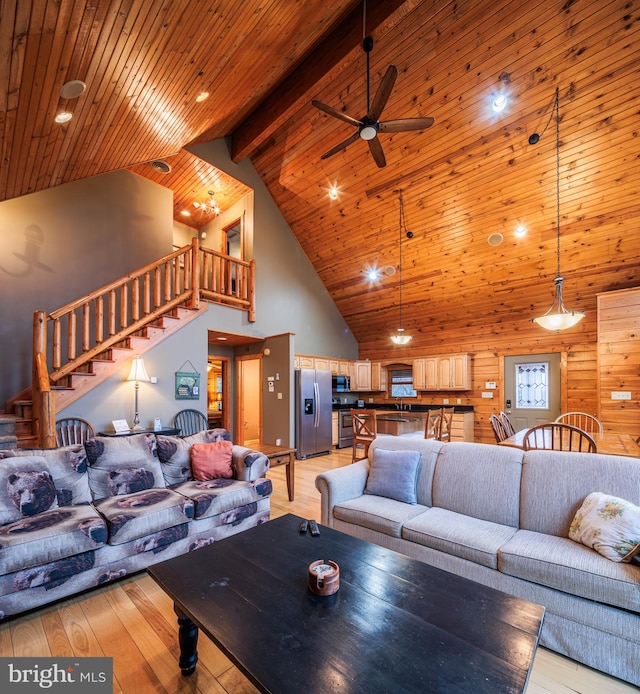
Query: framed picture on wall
point(187, 385)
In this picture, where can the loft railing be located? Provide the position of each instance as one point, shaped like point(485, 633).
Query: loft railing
point(68, 338)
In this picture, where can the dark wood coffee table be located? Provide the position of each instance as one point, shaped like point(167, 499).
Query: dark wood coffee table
point(395, 625)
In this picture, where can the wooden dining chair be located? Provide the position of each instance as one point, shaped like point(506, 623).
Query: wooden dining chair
point(507, 425)
point(433, 424)
point(498, 428)
point(558, 437)
point(582, 420)
point(190, 422)
point(365, 430)
point(70, 430)
point(446, 423)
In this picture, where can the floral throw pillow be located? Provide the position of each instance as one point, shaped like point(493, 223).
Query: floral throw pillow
point(609, 525)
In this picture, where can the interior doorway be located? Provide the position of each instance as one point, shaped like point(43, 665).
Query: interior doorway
point(218, 392)
point(249, 397)
point(532, 388)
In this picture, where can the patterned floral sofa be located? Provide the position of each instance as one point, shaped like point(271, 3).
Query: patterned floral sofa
point(76, 517)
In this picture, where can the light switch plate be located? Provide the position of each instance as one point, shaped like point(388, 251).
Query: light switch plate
point(620, 395)
point(487, 394)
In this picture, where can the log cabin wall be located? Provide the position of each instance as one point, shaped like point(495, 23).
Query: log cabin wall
point(619, 360)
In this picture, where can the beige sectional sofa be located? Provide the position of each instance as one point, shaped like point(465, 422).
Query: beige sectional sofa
point(502, 517)
point(76, 517)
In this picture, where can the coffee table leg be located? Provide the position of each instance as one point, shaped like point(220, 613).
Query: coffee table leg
point(188, 639)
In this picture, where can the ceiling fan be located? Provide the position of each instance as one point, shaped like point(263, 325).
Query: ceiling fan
point(369, 126)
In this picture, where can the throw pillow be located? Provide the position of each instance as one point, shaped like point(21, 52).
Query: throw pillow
point(174, 452)
point(394, 474)
point(609, 525)
point(122, 464)
point(211, 461)
point(68, 468)
point(26, 488)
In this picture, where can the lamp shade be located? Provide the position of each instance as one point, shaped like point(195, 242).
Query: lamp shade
point(138, 372)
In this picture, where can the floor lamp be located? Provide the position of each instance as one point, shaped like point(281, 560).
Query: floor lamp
point(138, 373)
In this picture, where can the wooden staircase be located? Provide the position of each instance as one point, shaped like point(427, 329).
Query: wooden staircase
point(125, 318)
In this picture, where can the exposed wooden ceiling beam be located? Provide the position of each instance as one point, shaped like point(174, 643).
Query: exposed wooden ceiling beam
point(280, 104)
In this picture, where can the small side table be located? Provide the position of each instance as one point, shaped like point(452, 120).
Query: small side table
point(280, 455)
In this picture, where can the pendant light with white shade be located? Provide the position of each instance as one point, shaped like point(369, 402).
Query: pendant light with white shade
point(558, 316)
point(401, 337)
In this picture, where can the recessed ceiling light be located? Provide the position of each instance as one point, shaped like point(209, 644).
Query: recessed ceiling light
point(63, 117)
point(521, 230)
point(72, 89)
point(499, 103)
point(333, 192)
point(495, 239)
point(222, 339)
point(185, 213)
point(160, 166)
point(203, 96)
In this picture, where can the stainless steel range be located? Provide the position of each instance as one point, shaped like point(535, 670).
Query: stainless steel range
point(345, 429)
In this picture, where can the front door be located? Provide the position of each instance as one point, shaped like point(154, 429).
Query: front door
point(532, 389)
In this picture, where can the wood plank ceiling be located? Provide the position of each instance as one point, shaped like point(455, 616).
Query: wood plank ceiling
point(471, 175)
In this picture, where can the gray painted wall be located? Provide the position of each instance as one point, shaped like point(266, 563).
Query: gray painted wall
point(290, 299)
point(62, 243)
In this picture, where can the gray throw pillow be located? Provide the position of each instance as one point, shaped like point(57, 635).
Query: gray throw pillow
point(394, 474)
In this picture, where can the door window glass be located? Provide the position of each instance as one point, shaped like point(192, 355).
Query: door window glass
point(532, 385)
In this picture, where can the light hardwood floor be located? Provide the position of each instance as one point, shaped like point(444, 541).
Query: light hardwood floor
point(133, 622)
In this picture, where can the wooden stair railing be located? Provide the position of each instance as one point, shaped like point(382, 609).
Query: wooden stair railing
point(120, 309)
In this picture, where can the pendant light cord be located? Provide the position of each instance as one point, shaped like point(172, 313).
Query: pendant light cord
point(557, 109)
point(400, 274)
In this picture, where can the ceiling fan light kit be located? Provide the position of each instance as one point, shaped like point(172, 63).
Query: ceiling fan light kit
point(370, 125)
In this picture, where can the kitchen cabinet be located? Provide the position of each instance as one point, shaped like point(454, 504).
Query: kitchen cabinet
point(443, 372)
point(321, 364)
point(361, 376)
point(304, 362)
point(454, 372)
point(378, 377)
point(425, 373)
point(334, 429)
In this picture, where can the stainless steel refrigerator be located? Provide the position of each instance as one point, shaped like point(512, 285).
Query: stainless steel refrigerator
point(313, 412)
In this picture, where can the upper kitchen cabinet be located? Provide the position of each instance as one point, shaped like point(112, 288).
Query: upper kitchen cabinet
point(445, 372)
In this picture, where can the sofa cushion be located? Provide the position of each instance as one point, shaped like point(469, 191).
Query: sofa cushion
point(174, 452)
point(463, 536)
point(212, 497)
point(555, 483)
point(561, 563)
point(211, 461)
point(609, 525)
point(123, 465)
point(68, 468)
point(394, 474)
point(131, 516)
point(377, 513)
point(479, 480)
point(26, 488)
point(49, 536)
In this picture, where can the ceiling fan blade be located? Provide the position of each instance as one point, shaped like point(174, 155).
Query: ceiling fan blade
point(376, 151)
point(336, 114)
point(383, 93)
point(404, 124)
point(341, 146)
